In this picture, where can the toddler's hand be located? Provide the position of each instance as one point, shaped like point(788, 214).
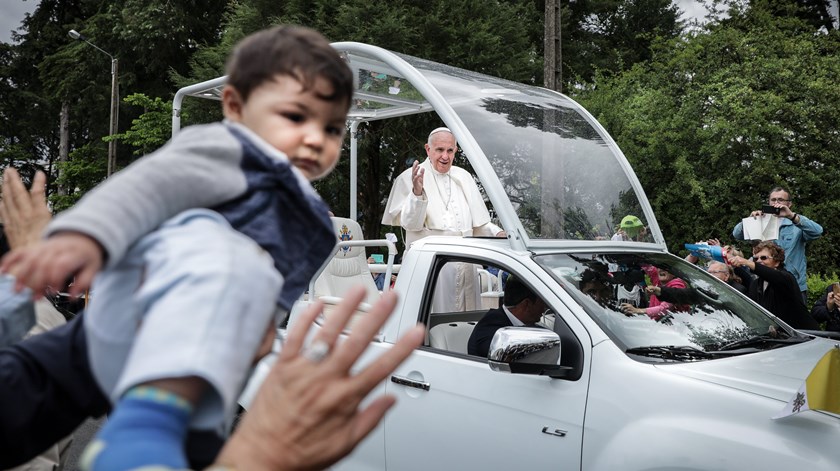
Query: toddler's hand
point(52, 262)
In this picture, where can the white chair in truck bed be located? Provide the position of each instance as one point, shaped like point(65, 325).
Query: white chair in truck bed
point(347, 268)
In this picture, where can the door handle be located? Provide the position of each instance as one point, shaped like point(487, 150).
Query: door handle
point(410, 383)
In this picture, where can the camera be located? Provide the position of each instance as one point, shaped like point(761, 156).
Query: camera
point(767, 209)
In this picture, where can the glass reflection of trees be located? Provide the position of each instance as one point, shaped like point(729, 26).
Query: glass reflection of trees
point(557, 186)
point(561, 176)
point(716, 314)
point(548, 117)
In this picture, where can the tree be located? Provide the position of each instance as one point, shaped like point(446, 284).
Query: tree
point(29, 117)
point(151, 129)
point(718, 117)
point(46, 71)
point(613, 35)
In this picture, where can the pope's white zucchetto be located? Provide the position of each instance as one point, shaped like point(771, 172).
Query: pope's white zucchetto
point(437, 130)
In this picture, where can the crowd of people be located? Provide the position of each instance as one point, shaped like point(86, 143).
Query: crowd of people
point(774, 276)
point(777, 270)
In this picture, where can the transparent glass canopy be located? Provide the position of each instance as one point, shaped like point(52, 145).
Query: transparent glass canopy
point(560, 172)
point(547, 167)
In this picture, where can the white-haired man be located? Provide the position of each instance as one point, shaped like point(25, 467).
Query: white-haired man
point(438, 198)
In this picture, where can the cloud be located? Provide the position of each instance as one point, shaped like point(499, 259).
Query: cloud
point(12, 13)
point(691, 9)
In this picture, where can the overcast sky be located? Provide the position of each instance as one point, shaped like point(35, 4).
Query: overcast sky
point(11, 14)
point(13, 11)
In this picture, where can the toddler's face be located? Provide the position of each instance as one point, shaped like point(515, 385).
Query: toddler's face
point(305, 127)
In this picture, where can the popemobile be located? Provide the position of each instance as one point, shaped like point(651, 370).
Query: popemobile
point(712, 382)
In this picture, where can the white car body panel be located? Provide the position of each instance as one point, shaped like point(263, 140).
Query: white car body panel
point(669, 420)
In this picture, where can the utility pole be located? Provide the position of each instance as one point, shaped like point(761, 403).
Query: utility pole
point(63, 141)
point(115, 116)
point(553, 55)
point(115, 101)
point(552, 196)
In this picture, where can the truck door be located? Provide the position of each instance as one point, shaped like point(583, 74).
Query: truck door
point(453, 412)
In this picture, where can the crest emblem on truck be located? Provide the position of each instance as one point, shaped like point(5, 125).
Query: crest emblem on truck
point(798, 402)
point(344, 235)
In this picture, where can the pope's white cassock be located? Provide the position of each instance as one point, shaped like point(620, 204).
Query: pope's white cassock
point(451, 205)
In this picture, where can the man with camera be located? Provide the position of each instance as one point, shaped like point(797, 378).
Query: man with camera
point(795, 230)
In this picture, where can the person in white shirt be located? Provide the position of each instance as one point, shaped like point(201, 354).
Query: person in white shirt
point(438, 198)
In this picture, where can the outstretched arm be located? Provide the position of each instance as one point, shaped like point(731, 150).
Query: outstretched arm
point(49, 263)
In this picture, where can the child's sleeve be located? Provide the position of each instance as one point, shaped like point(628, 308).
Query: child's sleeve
point(200, 168)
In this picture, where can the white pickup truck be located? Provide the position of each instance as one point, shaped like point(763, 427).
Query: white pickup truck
point(694, 390)
point(691, 386)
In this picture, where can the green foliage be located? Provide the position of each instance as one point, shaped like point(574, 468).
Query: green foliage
point(718, 117)
point(612, 35)
point(46, 69)
point(84, 169)
point(710, 119)
point(152, 129)
point(817, 284)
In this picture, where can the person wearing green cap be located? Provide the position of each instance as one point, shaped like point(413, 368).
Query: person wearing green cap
point(630, 229)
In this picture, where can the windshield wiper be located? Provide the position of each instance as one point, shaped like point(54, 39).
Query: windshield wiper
point(670, 352)
point(764, 340)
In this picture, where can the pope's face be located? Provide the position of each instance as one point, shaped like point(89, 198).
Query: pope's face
point(441, 151)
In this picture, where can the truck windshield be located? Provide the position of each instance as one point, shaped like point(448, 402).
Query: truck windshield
point(694, 311)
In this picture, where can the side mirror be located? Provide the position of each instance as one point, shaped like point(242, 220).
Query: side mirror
point(527, 350)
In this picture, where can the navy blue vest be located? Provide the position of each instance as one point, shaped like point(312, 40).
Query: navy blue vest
point(291, 224)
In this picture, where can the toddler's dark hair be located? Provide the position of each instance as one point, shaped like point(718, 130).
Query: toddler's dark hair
point(294, 51)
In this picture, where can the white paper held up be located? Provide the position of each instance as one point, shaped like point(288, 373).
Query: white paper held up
point(764, 227)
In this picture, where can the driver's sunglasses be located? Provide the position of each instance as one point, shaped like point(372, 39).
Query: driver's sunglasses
point(760, 257)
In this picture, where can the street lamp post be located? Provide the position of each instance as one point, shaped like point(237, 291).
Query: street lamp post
point(115, 102)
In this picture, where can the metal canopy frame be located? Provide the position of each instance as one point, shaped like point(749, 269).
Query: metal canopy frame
point(371, 106)
point(370, 103)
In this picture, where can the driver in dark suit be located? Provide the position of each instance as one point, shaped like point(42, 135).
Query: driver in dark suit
point(521, 307)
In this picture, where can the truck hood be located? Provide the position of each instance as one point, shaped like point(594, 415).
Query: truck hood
point(776, 374)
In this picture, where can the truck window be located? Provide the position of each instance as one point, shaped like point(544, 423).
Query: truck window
point(463, 294)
